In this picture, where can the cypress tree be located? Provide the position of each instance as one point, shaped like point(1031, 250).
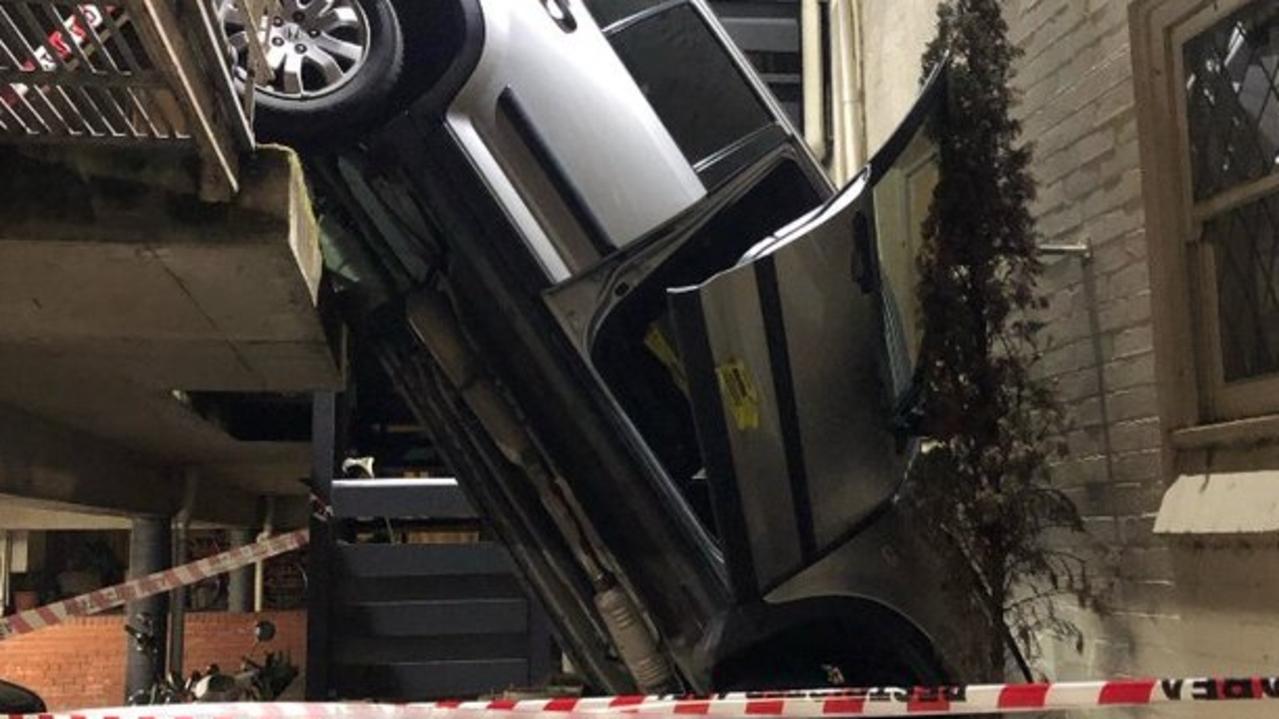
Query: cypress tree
point(993, 427)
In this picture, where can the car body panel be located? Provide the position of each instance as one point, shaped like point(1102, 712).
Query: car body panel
point(16, 700)
point(798, 357)
point(549, 128)
point(533, 279)
point(793, 350)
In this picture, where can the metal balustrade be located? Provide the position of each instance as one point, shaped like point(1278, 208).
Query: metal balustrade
point(149, 73)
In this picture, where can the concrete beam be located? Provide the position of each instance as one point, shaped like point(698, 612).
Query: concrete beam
point(49, 463)
point(164, 289)
point(119, 287)
point(22, 515)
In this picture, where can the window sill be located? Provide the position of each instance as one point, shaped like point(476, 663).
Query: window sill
point(1221, 503)
point(1241, 432)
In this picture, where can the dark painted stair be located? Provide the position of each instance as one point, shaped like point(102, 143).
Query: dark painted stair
point(420, 621)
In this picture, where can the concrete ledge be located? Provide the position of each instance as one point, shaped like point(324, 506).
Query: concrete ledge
point(119, 286)
point(147, 279)
point(60, 468)
point(1221, 503)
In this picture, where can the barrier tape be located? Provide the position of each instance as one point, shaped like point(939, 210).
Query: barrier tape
point(833, 703)
point(916, 702)
point(111, 597)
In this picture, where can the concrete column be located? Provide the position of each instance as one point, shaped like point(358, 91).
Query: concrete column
point(240, 581)
point(149, 551)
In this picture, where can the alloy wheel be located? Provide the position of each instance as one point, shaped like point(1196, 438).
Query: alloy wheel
point(314, 47)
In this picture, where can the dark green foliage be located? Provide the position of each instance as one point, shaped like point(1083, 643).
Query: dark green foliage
point(993, 427)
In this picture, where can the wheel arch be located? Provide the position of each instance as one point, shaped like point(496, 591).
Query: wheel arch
point(790, 645)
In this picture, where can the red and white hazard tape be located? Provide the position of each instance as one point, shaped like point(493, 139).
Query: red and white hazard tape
point(134, 589)
point(834, 703)
point(920, 701)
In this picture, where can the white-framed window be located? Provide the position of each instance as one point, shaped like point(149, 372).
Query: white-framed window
point(1207, 79)
point(1229, 115)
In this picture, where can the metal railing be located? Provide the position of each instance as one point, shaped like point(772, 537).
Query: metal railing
point(130, 73)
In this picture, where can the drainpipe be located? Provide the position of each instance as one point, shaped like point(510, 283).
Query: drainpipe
point(848, 106)
point(259, 568)
point(841, 100)
point(178, 597)
point(5, 569)
point(858, 148)
point(240, 581)
point(1082, 251)
point(810, 21)
point(432, 319)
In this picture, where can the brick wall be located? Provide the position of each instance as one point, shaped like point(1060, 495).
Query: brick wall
point(78, 664)
point(1175, 606)
point(221, 638)
point(1078, 109)
point(81, 664)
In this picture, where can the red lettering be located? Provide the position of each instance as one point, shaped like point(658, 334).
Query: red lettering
point(1236, 688)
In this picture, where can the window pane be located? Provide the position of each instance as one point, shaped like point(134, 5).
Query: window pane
point(1232, 90)
point(690, 81)
point(607, 12)
point(1246, 247)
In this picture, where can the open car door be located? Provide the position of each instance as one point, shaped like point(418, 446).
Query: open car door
point(799, 357)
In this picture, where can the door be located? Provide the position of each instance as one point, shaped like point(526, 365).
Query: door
point(797, 359)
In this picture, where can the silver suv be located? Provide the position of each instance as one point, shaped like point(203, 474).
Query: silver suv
point(651, 338)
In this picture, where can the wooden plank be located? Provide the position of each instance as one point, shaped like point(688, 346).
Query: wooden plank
point(358, 649)
point(430, 680)
point(366, 561)
point(434, 498)
point(432, 618)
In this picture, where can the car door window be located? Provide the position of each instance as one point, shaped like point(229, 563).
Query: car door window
point(607, 12)
point(706, 110)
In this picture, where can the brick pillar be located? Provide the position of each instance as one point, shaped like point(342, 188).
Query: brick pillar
point(150, 550)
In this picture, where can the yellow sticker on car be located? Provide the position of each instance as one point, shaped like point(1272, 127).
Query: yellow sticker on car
point(737, 386)
point(657, 343)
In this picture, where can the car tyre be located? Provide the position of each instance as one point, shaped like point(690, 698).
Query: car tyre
point(321, 115)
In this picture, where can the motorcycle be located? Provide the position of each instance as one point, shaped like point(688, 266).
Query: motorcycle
point(165, 688)
point(255, 681)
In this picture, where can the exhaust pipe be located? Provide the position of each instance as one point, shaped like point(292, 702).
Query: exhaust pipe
point(436, 327)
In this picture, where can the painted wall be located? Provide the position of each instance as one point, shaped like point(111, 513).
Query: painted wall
point(894, 34)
